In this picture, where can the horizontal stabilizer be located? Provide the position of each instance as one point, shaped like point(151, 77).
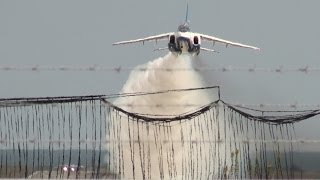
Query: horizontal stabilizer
point(160, 49)
point(209, 50)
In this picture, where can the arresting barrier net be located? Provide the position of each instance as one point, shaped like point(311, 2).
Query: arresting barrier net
point(89, 137)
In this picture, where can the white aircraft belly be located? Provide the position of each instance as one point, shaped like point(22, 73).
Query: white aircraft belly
point(184, 46)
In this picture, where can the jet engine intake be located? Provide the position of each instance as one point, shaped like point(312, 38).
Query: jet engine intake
point(195, 40)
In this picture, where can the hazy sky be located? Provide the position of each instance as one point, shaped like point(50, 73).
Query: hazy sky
point(80, 33)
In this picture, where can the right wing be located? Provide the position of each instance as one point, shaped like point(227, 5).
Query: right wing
point(226, 42)
point(156, 38)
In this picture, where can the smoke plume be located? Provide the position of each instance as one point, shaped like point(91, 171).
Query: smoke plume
point(147, 155)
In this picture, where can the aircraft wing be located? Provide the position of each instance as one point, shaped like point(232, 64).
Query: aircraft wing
point(155, 38)
point(215, 39)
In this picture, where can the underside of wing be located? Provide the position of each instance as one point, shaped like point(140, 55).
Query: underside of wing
point(226, 42)
point(155, 38)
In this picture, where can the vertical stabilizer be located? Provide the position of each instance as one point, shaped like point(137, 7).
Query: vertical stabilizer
point(187, 13)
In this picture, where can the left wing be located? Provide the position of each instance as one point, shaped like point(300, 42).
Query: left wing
point(156, 37)
point(215, 39)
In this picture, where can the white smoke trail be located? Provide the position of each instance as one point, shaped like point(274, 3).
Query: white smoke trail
point(153, 80)
point(134, 164)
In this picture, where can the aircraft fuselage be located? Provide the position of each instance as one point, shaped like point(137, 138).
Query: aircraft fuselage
point(184, 42)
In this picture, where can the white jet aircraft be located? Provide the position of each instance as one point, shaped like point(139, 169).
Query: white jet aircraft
point(186, 41)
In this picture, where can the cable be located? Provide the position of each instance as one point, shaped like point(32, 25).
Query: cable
point(118, 69)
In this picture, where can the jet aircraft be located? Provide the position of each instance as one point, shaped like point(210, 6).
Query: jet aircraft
point(185, 41)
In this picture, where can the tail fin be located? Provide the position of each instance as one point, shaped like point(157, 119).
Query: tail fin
point(187, 13)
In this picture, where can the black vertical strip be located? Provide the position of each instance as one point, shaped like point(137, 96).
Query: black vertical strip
point(12, 128)
point(100, 137)
point(59, 118)
point(94, 128)
point(52, 134)
point(149, 152)
point(131, 148)
point(289, 136)
point(205, 143)
point(79, 109)
point(157, 146)
point(86, 136)
point(108, 138)
point(200, 144)
point(244, 153)
point(239, 150)
point(264, 147)
point(140, 151)
point(119, 144)
point(262, 142)
point(285, 151)
point(27, 128)
point(275, 151)
point(182, 147)
point(113, 129)
point(213, 145)
point(42, 120)
point(191, 153)
point(48, 119)
point(1, 138)
point(17, 136)
point(22, 127)
point(218, 139)
point(243, 173)
point(70, 133)
point(34, 110)
point(7, 138)
point(105, 120)
point(295, 137)
point(226, 116)
point(256, 163)
point(279, 152)
point(64, 114)
point(248, 149)
point(208, 145)
point(161, 143)
point(173, 154)
point(260, 124)
point(291, 125)
point(168, 153)
point(220, 168)
point(232, 142)
point(120, 131)
point(195, 169)
point(38, 138)
point(272, 134)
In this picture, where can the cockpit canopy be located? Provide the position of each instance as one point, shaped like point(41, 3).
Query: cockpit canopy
point(184, 28)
